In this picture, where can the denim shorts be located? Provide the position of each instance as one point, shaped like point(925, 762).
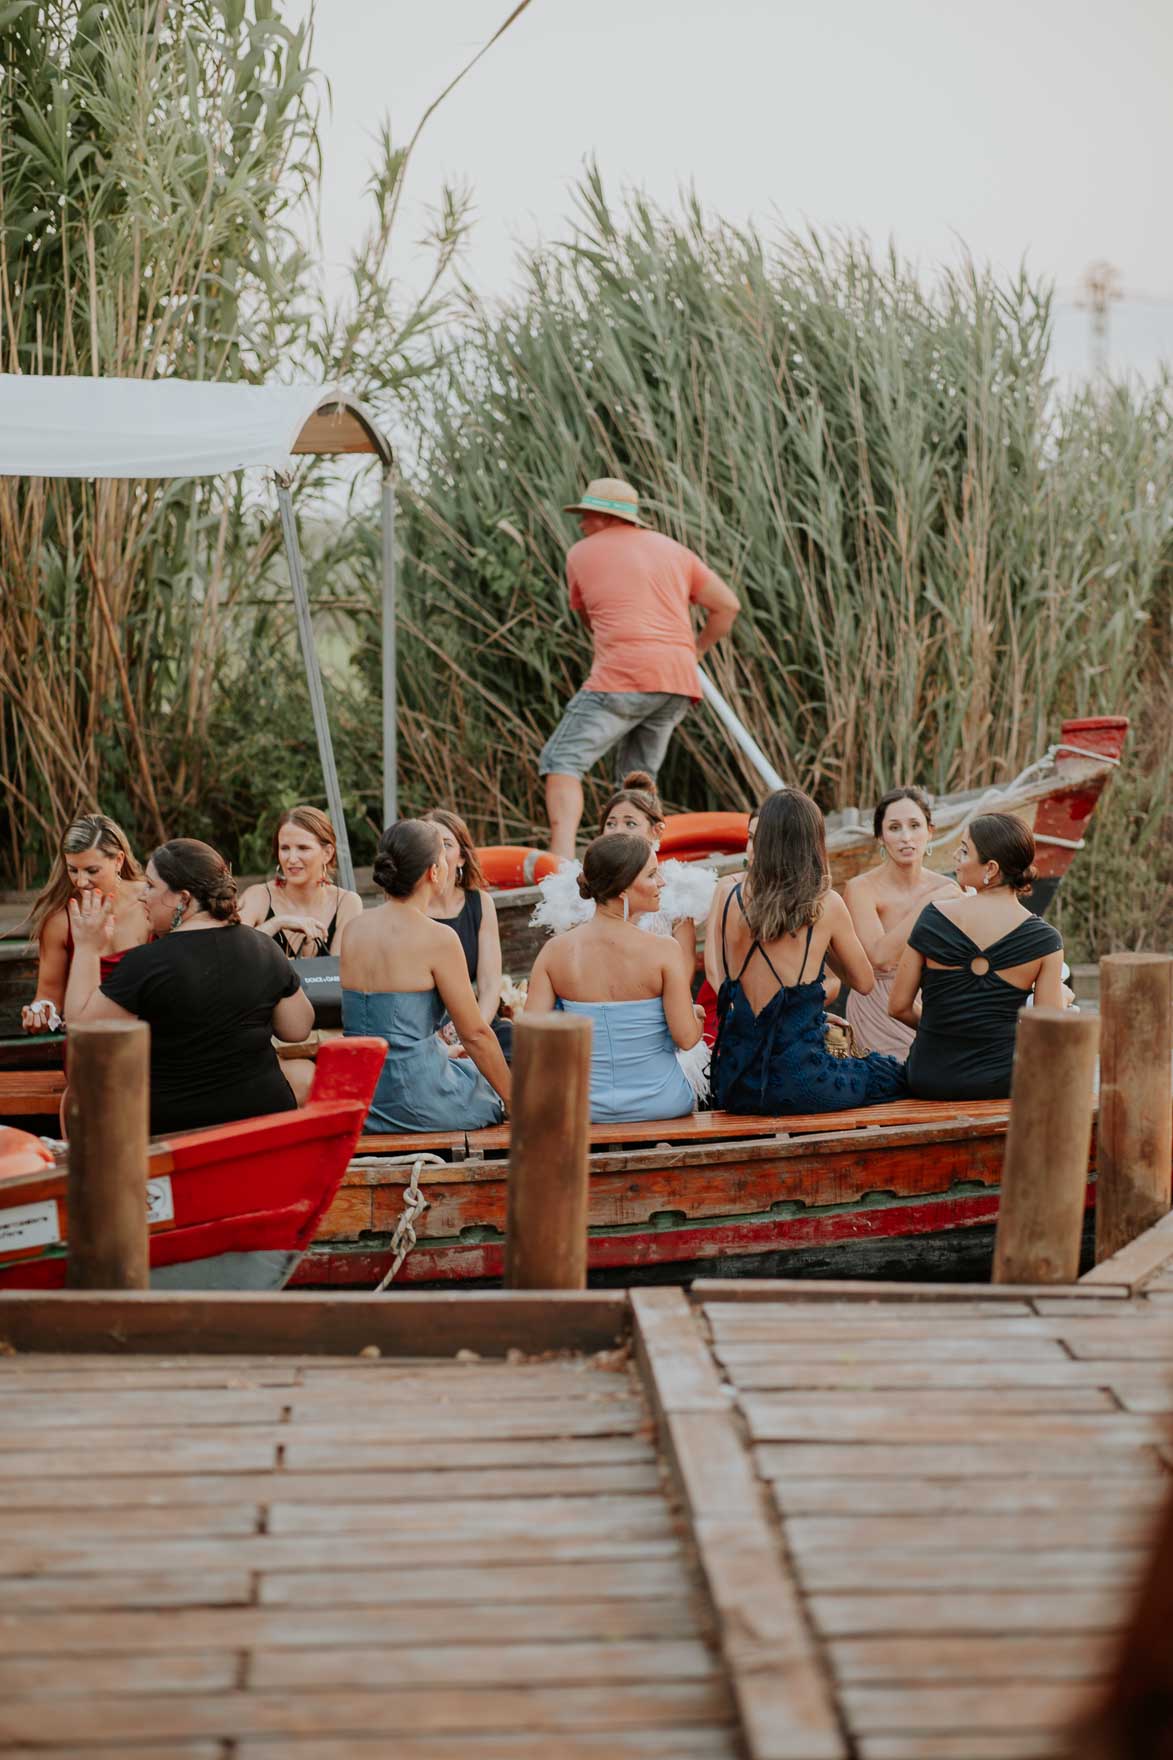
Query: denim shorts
point(638, 723)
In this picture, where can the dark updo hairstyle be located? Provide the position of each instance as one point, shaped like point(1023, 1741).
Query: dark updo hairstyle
point(637, 790)
point(1001, 838)
point(187, 865)
point(611, 863)
point(788, 873)
point(406, 851)
point(917, 796)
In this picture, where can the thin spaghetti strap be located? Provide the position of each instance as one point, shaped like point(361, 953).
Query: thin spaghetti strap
point(729, 897)
point(805, 952)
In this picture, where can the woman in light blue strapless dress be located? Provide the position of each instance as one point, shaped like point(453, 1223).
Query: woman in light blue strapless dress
point(632, 987)
point(402, 973)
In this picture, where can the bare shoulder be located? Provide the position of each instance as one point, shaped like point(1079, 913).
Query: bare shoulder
point(943, 886)
point(860, 885)
point(253, 899)
point(349, 906)
point(488, 908)
point(834, 909)
point(55, 929)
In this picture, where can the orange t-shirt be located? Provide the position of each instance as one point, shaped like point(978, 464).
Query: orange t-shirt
point(635, 588)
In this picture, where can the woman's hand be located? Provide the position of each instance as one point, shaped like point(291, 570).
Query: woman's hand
point(91, 918)
point(39, 1017)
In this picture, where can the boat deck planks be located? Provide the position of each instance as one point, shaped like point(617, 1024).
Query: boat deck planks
point(770, 1521)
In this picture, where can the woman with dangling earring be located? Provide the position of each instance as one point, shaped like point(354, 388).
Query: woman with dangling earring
point(467, 907)
point(884, 903)
point(632, 986)
point(94, 856)
point(214, 992)
point(302, 908)
point(975, 961)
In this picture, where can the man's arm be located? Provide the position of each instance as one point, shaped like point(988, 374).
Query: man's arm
point(722, 607)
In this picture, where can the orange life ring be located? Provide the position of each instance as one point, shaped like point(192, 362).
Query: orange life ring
point(688, 837)
point(21, 1152)
point(507, 865)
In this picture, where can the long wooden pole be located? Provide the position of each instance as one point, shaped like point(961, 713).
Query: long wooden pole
point(108, 1109)
point(1044, 1176)
point(546, 1215)
point(1134, 1150)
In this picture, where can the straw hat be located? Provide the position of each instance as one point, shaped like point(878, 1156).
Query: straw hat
point(609, 495)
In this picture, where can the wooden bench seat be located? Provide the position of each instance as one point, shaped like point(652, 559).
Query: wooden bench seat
point(30, 1093)
point(699, 1127)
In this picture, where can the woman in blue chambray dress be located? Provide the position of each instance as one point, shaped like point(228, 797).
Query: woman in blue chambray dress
point(402, 973)
point(631, 986)
point(775, 934)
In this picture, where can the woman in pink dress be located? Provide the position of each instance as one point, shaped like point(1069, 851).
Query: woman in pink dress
point(884, 904)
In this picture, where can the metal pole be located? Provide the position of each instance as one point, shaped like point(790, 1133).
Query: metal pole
point(740, 734)
point(390, 701)
point(309, 654)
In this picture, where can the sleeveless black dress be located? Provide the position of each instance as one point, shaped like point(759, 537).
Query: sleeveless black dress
point(467, 924)
point(776, 1061)
point(964, 1047)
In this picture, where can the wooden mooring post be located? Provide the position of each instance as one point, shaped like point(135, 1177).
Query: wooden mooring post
point(1044, 1176)
point(546, 1211)
point(1134, 1148)
point(108, 1111)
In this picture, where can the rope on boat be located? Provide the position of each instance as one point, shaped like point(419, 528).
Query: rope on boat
point(415, 1203)
point(994, 797)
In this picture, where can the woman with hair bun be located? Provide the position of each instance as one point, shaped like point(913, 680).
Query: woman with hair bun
point(302, 908)
point(631, 986)
point(687, 891)
point(884, 903)
point(975, 961)
point(213, 990)
point(94, 856)
point(402, 973)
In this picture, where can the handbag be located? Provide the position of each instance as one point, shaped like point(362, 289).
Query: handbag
point(322, 982)
point(840, 1040)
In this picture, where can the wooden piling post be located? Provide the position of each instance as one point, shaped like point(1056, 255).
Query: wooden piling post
point(1044, 1176)
point(108, 1109)
point(546, 1215)
point(1134, 1148)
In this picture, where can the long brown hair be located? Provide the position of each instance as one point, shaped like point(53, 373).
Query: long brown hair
point(87, 831)
point(788, 874)
point(471, 875)
point(313, 820)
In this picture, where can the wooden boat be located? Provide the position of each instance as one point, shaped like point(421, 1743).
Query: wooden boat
point(1056, 796)
point(911, 1185)
point(231, 1207)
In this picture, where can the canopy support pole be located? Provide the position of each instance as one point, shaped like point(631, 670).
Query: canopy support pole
point(313, 674)
point(390, 700)
point(739, 733)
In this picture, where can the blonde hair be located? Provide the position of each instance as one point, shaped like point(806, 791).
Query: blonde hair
point(88, 831)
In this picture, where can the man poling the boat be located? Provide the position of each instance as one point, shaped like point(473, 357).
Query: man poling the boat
point(635, 589)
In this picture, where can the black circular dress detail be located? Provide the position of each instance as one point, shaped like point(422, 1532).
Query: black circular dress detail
point(964, 1046)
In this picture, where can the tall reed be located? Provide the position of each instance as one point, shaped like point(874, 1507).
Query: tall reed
point(937, 556)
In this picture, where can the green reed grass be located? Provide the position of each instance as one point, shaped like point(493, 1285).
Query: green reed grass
point(938, 557)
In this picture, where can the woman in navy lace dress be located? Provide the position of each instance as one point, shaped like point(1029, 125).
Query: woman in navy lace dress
point(775, 934)
point(975, 961)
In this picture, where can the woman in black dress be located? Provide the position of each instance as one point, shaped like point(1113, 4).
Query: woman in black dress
point(975, 961)
point(214, 991)
point(466, 906)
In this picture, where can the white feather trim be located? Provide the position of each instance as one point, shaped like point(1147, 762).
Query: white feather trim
point(562, 905)
point(688, 890)
point(694, 1065)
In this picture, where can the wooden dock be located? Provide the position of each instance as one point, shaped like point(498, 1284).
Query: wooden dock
point(774, 1521)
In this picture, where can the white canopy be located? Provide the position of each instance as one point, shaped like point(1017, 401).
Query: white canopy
point(56, 426)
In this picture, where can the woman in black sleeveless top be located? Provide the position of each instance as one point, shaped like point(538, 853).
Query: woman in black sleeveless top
point(976, 961)
point(467, 907)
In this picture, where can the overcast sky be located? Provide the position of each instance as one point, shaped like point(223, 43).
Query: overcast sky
point(1041, 128)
